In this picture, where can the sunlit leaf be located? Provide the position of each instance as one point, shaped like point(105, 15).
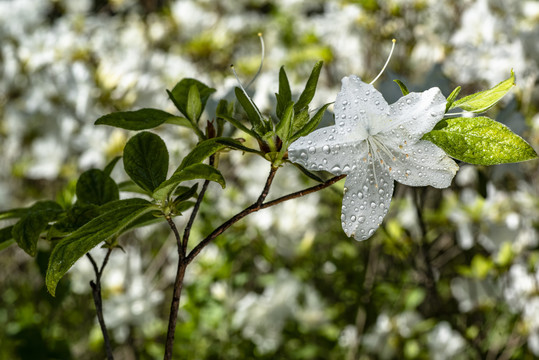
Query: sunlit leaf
point(484, 100)
point(480, 141)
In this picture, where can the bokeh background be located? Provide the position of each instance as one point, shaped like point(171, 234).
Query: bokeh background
point(452, 274)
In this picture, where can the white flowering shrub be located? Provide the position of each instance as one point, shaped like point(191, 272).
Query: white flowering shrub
point(189, 216)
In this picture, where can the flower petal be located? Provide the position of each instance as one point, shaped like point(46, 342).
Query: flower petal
point(359, 108)
point(367, 197)
point(417, 112)
point(323, 150)
point(416, 163)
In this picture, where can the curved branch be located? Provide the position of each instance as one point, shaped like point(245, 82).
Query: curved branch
point(258, 205)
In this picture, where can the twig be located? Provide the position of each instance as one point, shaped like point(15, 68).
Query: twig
point(176, 295)
point(258, 206)
point(96, 292)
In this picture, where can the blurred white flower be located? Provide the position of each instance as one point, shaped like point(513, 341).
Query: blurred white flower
point(444, 342)
point(261, 318)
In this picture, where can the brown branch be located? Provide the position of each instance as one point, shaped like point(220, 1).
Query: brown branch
point(187, 231)
point(258, 205)
point(176, 295)
point(96, 293)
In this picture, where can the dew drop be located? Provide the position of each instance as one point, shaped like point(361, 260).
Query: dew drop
point(409, 101)
point(373, 205)
point(341, 123)
point(336, 170)
point(353, 218)
point(326, 149)
point(360, 195)
point(331, 137)
point(371, 232)
point(303, 155)
point(361, 219)
point(377, 103)
point(312, 150)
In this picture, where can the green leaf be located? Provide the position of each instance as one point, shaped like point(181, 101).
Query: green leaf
point(96, 187)
point(13, 213)
point(108, 225)
point(183, 206)
point(135, 120)
point(451, 98)
point(284, 127)
point(237, 124)
point(200, 152)
point(312, 124)
point(130, 186)
point(192, 172)
point(253, 114)
point(484, 100)
point(6, 239)
point(300, 120)
point(403, 87)
point(310, 88)
point(235, 144)
point(27, 230)
point(146, 160)
point(480, 141)
point(180, 94)
point(78, 215)
point(308, 173)
point(181, 121)
point(110, 166)
point(194, 105)
point(183, 193)
point(285, 94)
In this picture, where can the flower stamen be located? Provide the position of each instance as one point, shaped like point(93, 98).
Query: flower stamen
point(387, 62)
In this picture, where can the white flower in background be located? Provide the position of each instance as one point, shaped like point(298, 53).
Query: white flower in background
point(444, 342)
point(374, 144)
point(262, 318)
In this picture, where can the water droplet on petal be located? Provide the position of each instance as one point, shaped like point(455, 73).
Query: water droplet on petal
point(371, 232)
point(312, 150)
point(353, 218)
point(336, 170)
point(360, 195)
point(409, 101)
point(326, 149)
point(361, 219)
point(377, 103)
point(303, 155)
point(331, 137)
point(373, 205)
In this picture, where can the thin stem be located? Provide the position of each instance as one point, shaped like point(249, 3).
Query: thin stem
point(96, 293)
point(182, 265)
point(178, 285)
point(258, 206)
point(187, 231)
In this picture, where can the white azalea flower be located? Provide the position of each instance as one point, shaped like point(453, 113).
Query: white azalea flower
point(375, 143)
